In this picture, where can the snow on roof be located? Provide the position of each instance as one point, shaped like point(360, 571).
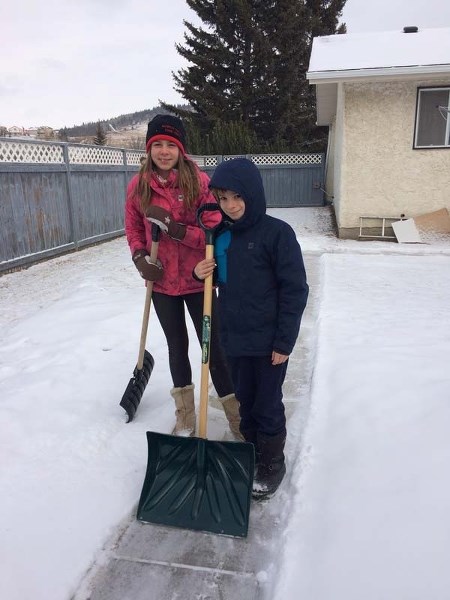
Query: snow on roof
point(374, 56)
point(428, 48)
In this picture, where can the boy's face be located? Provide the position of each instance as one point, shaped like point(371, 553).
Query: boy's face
point(231, 203)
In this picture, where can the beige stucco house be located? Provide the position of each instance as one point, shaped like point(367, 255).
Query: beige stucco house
point(15, 130)
point(386, 99)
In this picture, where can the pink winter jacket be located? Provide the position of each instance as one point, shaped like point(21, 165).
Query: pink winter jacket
point(178, 258)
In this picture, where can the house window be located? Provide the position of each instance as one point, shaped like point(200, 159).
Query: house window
point(433, 118)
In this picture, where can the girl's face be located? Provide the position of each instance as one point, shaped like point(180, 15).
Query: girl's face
point(164, 155)
point(231, 203)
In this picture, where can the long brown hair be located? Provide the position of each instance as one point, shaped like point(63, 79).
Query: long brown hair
point(187, 180)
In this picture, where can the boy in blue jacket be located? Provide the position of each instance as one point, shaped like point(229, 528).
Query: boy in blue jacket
point(262, 295)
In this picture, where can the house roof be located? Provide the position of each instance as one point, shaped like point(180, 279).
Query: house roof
point(373, 56)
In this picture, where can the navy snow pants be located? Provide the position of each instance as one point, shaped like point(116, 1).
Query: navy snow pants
point(258, 387)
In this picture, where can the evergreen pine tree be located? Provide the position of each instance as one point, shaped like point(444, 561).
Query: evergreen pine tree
point(248, 66)
point(63, 136)
point(100, 136)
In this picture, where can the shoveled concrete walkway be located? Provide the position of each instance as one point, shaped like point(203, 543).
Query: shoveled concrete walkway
point(150, 562)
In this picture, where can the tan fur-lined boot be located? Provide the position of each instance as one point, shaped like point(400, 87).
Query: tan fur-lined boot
point(185, 410)
point(231, 408)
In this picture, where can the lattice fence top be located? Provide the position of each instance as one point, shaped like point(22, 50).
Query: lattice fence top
point(287, 159)
point(95, 155)
point(23, 152)
point(205, 161)
point(263, 159)
point(79, 154)
point(18, 151)
point(134, 157)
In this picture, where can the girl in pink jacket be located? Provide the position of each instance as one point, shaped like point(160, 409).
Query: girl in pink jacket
point(168, 190)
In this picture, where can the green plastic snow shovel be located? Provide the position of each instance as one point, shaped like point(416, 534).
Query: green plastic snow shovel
point(193, 482)
point(145, 363)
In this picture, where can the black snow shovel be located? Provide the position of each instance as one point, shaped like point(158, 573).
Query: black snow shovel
point(141, 374)
point(195, 483)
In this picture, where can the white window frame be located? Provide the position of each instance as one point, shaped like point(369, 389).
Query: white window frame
point(445, 114)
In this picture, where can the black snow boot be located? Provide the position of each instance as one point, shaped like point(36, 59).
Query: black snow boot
point(271, 467)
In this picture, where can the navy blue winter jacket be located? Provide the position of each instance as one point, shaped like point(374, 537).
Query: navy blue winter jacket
point(265, 292)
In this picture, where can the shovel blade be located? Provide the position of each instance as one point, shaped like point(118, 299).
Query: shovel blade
point(136, 386)
point(194, 483)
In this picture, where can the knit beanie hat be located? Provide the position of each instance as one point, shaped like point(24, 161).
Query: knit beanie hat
point(166, 127)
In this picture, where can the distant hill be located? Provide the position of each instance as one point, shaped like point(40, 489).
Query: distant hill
point(120, 122)
point(131, 126)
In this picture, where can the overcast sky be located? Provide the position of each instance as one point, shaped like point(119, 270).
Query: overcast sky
point(65, 63)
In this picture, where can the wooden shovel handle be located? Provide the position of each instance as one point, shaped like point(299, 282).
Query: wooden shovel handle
point(148, 298)
point(206, 344)
point(206, 329)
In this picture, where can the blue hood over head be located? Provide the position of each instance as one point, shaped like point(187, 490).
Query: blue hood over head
point(240, 175)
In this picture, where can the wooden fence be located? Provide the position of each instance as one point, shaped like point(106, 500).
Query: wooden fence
point(59, 197)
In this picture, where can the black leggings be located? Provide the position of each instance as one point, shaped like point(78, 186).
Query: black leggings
point(171, 315)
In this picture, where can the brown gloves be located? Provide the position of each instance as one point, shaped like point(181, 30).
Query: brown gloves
point(163, 218)
point(148, 270)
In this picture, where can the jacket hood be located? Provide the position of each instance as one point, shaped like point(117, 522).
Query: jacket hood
point(242, 176)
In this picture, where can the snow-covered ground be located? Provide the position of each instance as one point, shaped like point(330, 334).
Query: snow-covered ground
point(369, 476)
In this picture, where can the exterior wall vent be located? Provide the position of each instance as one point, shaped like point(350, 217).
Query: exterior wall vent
point(410, 29)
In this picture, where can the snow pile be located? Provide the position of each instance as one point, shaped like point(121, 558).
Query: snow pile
point(369, 477)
